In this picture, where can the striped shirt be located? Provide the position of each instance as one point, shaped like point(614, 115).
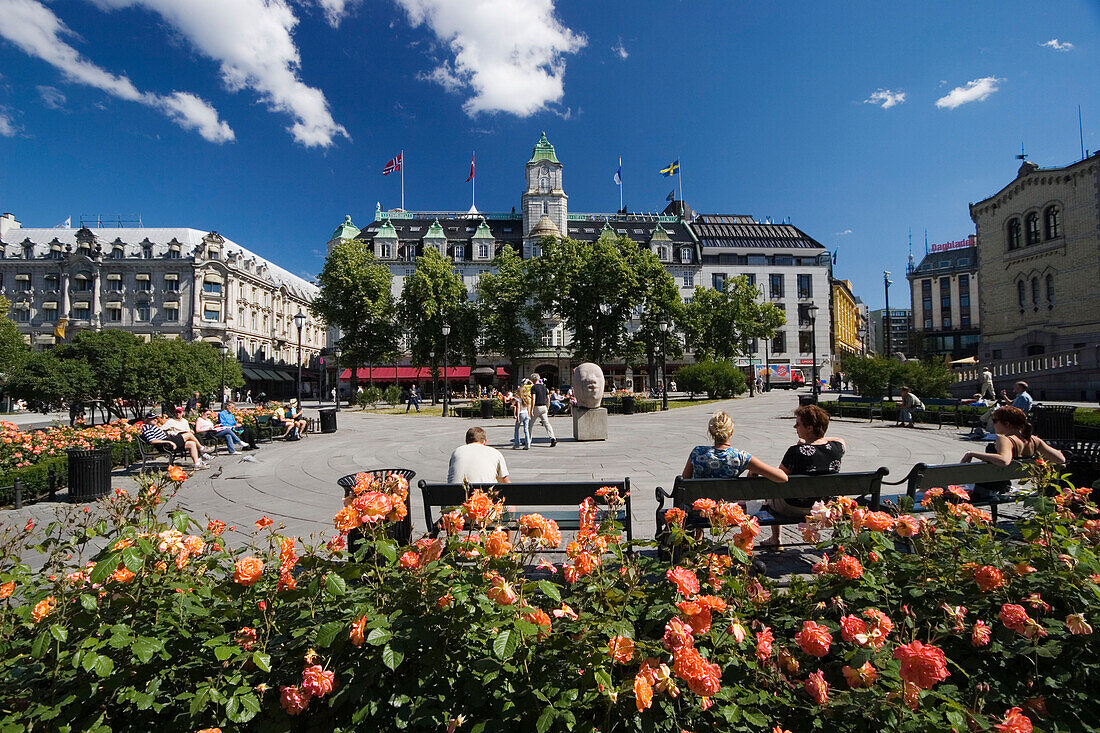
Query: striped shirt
point(151, 432)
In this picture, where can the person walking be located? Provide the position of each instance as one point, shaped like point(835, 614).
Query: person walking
point(987, 391)
point(414, 399)
point(521, 409)
point(541, 397)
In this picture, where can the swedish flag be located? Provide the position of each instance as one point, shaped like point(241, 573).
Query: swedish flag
point(673, 169)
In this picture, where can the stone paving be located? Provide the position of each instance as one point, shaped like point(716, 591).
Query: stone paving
point(295, 483)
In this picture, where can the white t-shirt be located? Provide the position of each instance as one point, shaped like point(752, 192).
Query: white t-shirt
point(476, 463)
point(173, 426)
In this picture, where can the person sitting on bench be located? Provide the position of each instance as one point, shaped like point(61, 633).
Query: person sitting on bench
point(180, 426)
point(812, 455)
point(227, 419)
point(205, 424)
point(1014, 440)
point(154, 436)
point(477, 462)
point(722, 460)
point(296, 416)
point(278, 420)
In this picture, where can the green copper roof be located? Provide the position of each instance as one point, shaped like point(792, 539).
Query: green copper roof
point(483, 231)
point(435, 231)
point(386, 231)
point(347, 230)
point(608, 231)
point(543, 151)
point(660, 235)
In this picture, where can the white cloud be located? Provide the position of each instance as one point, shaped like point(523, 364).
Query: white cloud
point(844, 233)
point(620, 50)
point(8, 128)
point(1057, 46)
point(337, 10)
point(977, 90)
point(52, 97)
point(34, 28)
point(509, 53)
point(885, 98)
point(251, 39)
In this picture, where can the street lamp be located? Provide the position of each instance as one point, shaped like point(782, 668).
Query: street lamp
point(664, 371)
point(435, 392)
point(605, 310)
point(222, 347)
point(446, 380)
point(863, 340)
point(812, 310)
point(886, 323)
point(299, 323)
point(336, 352)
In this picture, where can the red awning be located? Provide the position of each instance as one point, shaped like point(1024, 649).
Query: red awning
point(503, 372)
point(404, 374)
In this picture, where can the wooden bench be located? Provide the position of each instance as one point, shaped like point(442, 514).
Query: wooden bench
point(529, 494)
point(923, 477)
point(150, 453)
point(686, 490)
point(944, 403)
point(870, 404)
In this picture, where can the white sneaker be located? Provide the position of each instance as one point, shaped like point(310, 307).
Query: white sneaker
point(201, 466)
point(206, 456)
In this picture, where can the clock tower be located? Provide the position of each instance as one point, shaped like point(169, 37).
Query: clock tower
point(545, 205)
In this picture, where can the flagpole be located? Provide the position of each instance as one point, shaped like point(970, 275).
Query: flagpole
point(680, 176)
point(402, 180)
point(473, 181)
point(620, 183)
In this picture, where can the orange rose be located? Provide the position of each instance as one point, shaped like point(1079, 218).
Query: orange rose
point(764, 641)
point(264, 522)
point(907, 526)
point(854, 630)
point(497, 544)
point(316, 681)
point(248, 570)
point(878, 521)
point(410, 560)
point(480, 508)
point(1014, 617)
point(357, 627)
point(981, 634)
point(864, 676)
point(293, 699)
point(685, 581)
point(674, 518)
point(988, 578)
point(373, 506)
point(922, 665)
point(122, 574)
point(643, 692)
point(429, 549)
point(445, 601)
point(540, 619)
point(817, 688)
point(501, 591)
point(43, 608)
point(346, 519)
point(677, 635)
point(1015, 722)
point(7, 589)
point(540, 531)
point(848, 567)
point(453, 522)
point(696, 614)
point(1077, 624)
point(814, 639)
point(621, 649)
point(702, 677)
point(177, 474)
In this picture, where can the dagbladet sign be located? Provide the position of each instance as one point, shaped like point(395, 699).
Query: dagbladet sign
point(951, 245)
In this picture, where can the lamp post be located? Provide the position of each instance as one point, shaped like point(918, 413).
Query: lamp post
point(446, 380)
point(299, 323)
point(812, 310)
point(336, 352)
point(863, 340)
point(604, 310)
point(557, 353)
point(664, 371)
point(767, 369)
point(222, 347)
point(886, 336)
point(435, 392)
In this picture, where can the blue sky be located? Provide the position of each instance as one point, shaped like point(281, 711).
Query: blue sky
point(268, 121)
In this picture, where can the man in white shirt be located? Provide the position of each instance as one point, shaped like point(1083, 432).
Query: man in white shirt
point(180, 426)
point(477, 462)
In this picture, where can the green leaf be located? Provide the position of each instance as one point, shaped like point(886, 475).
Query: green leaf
point(505, 643)
point(335, 586)
point(104, 666)
point(88, 602)
point(387, 548)
point(391, 657)
point(242, 708)
point(327, 633)
point(603, 677)
point(38, 648)
point(144, 648)
point(132, 559)
point(59, 632)
point(103, 568)
point(223, 653)
point(378, 637)
point(551, 592)
point(547, 717)
point(262, 661)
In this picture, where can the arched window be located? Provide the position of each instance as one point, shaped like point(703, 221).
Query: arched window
point(1050, 289)
point(1021, 294)
point(1035, 291)
point(1031, 227)
point(1052, 221)
point(1013, 233)
point(685, 254)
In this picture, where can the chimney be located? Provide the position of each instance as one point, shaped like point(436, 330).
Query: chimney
point(7, 224)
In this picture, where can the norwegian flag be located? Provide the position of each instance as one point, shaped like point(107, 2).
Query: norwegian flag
point(471, 176)
point(393, 166)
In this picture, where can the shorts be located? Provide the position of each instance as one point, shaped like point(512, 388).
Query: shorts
point(179, 441)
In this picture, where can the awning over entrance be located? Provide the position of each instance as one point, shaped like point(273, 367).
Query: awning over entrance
point(252, 374)
point(404, 374)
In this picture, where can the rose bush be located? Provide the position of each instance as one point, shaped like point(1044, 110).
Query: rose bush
point(903, 626)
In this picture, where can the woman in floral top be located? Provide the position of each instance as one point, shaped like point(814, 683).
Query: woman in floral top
point(722, 460)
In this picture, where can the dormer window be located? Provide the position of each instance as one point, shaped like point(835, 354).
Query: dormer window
point(28, 251)
point(663, 253)
point(84, 249)
point(384, 250)
point(460, 252)
point(55, 251)
point(147, 252)
point(174, 252)
point(117, 253)
point(685, 254)
point(213, 252)
point(483, 251)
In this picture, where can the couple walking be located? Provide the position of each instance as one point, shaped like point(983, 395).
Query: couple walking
point(533, 399)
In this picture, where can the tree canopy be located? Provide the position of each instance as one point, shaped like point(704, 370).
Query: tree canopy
point(720, 324)
point(432, 296)
point(510, 318)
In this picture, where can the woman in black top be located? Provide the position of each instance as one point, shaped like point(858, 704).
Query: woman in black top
point(812, 455)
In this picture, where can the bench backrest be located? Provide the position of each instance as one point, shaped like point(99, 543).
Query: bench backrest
point(860, 483)
point(859, 400)
point(530, 493)
point(941, 402)
point(924, 477)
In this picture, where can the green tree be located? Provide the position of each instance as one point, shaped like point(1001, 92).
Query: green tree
point(719, 324)
point(13, 350)
point(173, 370)
point(871, 375)
point(658, 301)
point(592, 287)
point(46, 381)
point(357, 298)
point(432, 296)
point(509, 316)
point(111, 355)
point(718, 379)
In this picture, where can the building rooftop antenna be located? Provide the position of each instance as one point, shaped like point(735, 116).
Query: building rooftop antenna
point(1022, 155)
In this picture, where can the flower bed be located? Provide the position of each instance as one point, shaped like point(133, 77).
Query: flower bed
point(918, 622)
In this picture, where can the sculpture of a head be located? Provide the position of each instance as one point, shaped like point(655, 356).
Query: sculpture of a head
point(588, 384)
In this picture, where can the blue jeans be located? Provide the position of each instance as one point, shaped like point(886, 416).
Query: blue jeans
point(524, 420)
point(232, 442)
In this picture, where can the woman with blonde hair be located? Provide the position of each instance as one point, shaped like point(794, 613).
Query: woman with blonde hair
point(722, 460)
point(521, 409)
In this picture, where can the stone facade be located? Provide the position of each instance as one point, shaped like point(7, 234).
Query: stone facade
point(944, 289)
point(1038, 244)
point(168, 282)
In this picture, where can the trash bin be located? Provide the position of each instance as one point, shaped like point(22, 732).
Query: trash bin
point(487, 409)
point(89, 473)
point(807, 399)
point(628, 404)
point(328, 420)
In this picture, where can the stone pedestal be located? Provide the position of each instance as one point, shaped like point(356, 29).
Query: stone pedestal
point(589, 424)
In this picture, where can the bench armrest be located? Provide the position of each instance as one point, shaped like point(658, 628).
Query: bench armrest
point(661, 495)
